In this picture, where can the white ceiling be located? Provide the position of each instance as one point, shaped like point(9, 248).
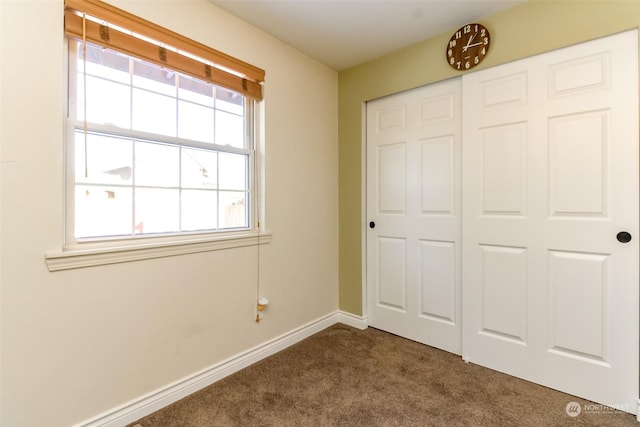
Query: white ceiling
point(344, 33)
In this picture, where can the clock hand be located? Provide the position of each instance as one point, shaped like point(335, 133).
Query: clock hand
point(472, 45)
point(464, 49)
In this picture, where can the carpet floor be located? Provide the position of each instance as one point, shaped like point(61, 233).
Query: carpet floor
point(347, 377)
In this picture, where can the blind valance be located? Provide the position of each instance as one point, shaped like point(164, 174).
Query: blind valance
point(113, 28)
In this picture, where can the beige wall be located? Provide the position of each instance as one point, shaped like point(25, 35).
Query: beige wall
point(533, 27)
point(79, 342)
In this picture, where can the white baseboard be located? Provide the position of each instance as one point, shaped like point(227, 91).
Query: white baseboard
point(358, 322)
point(154, 401)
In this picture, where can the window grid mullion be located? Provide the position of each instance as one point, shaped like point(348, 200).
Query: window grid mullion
point(217, 191)
point(160, 139)
point(176, 85)
point(134, 142)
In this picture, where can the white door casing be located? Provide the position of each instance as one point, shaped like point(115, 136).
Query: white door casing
point(550, 177)
point(413, 197)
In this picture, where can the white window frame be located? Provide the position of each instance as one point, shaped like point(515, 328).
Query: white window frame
point(109, 250)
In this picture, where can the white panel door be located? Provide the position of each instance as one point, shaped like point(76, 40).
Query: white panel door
point(550, 178)
point(413, 192)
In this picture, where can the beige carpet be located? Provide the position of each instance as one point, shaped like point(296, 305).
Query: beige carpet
point(346, 377)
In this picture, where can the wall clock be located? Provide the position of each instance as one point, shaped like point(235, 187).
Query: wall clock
point(468, 46)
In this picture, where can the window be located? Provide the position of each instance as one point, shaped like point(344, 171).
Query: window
point(160, 138)
point(154, 151)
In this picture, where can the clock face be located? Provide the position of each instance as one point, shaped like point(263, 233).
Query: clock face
point(468, 46)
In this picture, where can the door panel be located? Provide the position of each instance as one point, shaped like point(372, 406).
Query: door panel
point(578, 187)
point(438, 170)
point(578, 290)
point(504, 157)
point(437, 280)
point(413, 197)
point(550, 177)
point(391, 173)
point(504, 286)
point(392, 281)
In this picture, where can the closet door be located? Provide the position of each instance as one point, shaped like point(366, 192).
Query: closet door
point(550, 191)
point(413, 214)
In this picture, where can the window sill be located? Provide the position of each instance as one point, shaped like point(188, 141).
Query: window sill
point(80, 258)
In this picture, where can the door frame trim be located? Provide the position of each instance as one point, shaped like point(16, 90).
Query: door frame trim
point(363, 209)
